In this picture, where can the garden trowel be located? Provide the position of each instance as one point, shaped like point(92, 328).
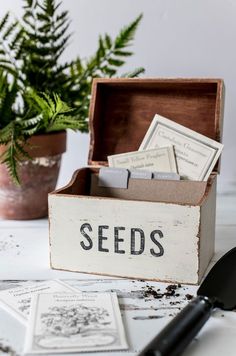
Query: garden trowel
point(218, 290)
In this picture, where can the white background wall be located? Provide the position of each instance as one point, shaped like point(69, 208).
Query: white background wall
point(177, 38)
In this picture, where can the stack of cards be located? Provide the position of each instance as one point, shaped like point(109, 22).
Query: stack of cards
point(61, 319)
point(170, 147)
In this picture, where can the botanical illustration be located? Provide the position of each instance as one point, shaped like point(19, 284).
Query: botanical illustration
point(24, 305)
point(76, 325)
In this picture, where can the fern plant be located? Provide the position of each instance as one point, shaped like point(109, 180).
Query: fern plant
point(37, 90)
point(45, 114)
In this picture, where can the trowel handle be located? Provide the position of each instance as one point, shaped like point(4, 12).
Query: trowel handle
point(176, 336)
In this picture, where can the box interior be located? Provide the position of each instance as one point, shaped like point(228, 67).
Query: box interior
point(122, 110)
point(85, 183)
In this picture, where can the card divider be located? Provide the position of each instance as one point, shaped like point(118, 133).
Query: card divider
point(85, 183)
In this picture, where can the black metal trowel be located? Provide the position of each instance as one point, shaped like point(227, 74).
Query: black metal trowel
point(218, 290)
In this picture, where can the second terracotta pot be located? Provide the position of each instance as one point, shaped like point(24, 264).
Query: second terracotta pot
point(38, 177)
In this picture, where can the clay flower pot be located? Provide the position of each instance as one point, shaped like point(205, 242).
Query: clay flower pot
point(37, 177)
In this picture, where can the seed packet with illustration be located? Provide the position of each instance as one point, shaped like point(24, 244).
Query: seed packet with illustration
point(62, 323)
point(17, 300)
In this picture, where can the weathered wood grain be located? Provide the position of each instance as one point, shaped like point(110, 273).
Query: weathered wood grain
point(121, 111)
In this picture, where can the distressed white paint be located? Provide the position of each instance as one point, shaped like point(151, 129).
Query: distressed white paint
point(178, 223)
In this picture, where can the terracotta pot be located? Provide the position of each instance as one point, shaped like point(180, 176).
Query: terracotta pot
point(38, 177)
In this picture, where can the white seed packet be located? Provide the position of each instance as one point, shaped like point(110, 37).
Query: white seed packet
point(17, 300)
point(62, 323)
point(196, 154)
point(160, 159)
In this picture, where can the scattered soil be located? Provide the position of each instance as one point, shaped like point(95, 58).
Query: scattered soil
point(149, 317)
point(7, 350)
point(189, 296)
point(170, 291)
point(8, 244)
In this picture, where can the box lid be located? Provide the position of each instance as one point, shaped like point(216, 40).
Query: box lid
point(121, 111)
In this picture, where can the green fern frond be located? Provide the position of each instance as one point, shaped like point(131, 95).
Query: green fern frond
point(4, 21)
point(28, 132)
point(115, 62)
point(61, 106)
point(126, 35)
point(3, 85)
point(29, 3)
point(57, 115)
point(6, 133)
point(26, 123)
point(9, 68)
point(21, 152)
point(9, 30)
point(135, 73)
point(8, 96)
point(108, 41)
point(122, 53)
point(63, 122)
point(14, 153)
point(9, 159)
point(17, 41)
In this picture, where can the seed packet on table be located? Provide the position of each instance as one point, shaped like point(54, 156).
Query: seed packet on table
point(196, 154)
point(158, 159)
point(17, 300)
point(63, 323)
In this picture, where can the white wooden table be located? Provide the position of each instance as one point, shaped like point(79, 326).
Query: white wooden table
point(24, 255)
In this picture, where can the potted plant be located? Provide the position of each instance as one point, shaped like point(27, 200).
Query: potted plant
point(40, 98)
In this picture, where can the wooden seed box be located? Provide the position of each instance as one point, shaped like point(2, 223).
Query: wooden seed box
point(156, 230)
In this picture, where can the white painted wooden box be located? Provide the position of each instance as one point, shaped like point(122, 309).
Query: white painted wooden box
point(157, 230)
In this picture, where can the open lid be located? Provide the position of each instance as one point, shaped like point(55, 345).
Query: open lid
point(121, 111)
